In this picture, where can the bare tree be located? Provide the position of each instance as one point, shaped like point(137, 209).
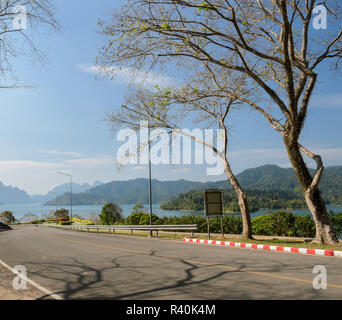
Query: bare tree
point(20, 20)
point(271, 42)
point(199, 101)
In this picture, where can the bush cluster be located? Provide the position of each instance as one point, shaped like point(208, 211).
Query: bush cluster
point(64, 223)
point(38, 221)
point(280, 223)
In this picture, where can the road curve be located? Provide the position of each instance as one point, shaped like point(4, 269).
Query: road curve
point(74, 265)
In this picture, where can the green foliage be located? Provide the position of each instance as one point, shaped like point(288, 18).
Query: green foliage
point(165, 26)
point(145, 219)
point(139, 216)
point(62, 213)
point(280, 223)
point(111, 213)
point(336, 221)
point(274, 224)
point(204, 6)
point(65, 223)
point(38, 221)
point(7, 217)
point(304, 227)
point(283, 223)
point(257, 199)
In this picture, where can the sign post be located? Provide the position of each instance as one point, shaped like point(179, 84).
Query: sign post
point(213, 206)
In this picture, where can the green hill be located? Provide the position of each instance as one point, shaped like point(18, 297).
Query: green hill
point(265, 178)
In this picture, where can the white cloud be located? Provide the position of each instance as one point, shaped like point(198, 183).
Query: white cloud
point(63, 153)
point(53, 167)
point(131, 76)
point(38, 177)
point(91, 162)
point(26, 165)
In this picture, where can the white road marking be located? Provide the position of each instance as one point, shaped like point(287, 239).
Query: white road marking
point(34, 284)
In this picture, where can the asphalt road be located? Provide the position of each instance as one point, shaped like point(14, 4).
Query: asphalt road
point(77, 265)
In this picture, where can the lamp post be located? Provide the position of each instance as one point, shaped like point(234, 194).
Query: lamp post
point(69, 175)
point(150, 177)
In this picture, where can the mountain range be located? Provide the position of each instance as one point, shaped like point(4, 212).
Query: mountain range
point(12, 195)
point(62, 189)
point(268, 177)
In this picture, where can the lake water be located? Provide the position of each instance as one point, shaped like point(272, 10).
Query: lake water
point(20, 210)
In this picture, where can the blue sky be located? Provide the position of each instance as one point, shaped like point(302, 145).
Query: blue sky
point(58, 124)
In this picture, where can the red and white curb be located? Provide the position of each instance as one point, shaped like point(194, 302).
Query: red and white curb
point(317, 252)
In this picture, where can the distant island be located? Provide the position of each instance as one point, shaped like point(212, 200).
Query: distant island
point(268, 187)
point(257, 199)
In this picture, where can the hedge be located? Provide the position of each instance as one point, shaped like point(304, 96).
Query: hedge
point(280, 223)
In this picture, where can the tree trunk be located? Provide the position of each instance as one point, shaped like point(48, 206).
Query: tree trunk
point(243, 204)
point(314, 200)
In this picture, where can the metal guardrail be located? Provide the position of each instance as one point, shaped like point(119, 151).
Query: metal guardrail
point(187, 227)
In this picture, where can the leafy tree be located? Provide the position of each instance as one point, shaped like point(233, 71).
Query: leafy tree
point(111, 213)
point(145, 219)
point(61, 213)
point(266, 41)
point(7, 217)
point(138, 208)
point(170, 108)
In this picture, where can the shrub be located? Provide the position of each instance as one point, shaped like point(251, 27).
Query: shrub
point(336, 221)
point(134, 218)
point(111, 213)
point(65, 223)
point(278, 223)
point(62, 213)
point(145, 219)
point(263, 225)
point(38, 221)
point(304, 227)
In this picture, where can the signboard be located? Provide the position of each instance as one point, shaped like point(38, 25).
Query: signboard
point(213, 202)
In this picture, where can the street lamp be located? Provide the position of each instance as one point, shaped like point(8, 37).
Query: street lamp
point(69, 175)
point(150, 177)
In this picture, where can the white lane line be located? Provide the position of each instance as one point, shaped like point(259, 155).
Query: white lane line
point(34, 284)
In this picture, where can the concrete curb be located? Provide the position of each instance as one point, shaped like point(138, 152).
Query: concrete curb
point(317, 252)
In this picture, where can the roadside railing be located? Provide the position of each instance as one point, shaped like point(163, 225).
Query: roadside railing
point(112, 229)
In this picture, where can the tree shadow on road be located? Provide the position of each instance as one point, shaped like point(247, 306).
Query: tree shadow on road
point(159, 277)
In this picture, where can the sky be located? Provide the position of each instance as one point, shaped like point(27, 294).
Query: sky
point(58, 123)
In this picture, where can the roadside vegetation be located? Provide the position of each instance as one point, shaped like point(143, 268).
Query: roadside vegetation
point(281, 223)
